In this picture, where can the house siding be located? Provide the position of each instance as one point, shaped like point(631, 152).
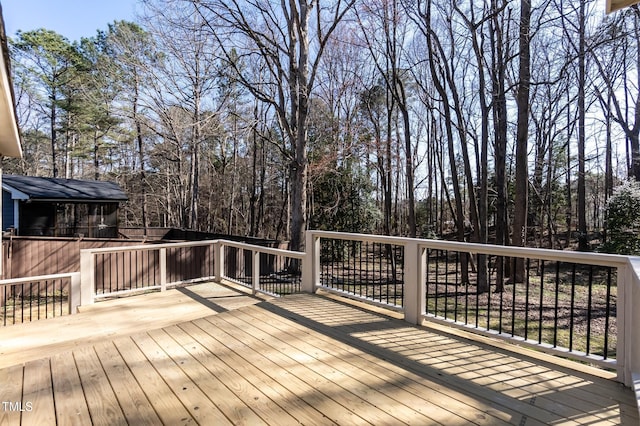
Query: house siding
point(8, 217)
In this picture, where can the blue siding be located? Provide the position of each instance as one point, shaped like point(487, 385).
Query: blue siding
point(8, 219)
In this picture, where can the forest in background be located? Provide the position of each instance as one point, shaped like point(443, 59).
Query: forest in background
point(508, 122)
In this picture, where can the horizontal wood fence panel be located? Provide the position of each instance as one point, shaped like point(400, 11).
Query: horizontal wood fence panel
point(29, 256)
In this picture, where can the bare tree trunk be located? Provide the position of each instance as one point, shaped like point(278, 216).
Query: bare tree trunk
point(254, 175)
point(140, 146)
point(608, 181)
point(437, 75)
point(409, 172)
point(583, 244)
point(522, 165)
point(54, 139)
point(482, 224)
point(500, 125)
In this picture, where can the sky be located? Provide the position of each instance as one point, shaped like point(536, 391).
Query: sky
point(71, 18)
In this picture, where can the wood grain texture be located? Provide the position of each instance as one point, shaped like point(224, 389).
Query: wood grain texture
point(130, 395)
point(303, 359)
point(37, 394)
point(67, 389)
point(11, 381)
point(98, 393)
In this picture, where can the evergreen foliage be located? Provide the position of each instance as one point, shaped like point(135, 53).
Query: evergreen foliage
point(623, 220)
point(342, 201)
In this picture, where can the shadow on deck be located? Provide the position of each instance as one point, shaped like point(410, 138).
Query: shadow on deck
point(307, 359)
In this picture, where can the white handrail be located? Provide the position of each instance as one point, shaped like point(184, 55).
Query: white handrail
point(262, 249)
point(149, 246)
point(599, 259)
point(11, 281)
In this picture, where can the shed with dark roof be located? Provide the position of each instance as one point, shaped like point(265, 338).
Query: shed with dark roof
point(60, 207)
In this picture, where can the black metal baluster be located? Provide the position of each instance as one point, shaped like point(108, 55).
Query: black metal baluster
point(104, 271)
point(388, 259)
point(30, 301)
point(455, 306)
point(489, 299)
point(437, 284)
point(572, 307)
point(117, 272)
point(46, 299)
point(401, 282)
point(541, 301)
point(555, 308)
point(335, 282)
point(326, 264)
point(428, 281)
point(61, 287)
point(4, 306)
point(466, 301)
point(21, 304)
point(446, 283)
point(54, 298)
point(526, 301)
point(477, 311)
point(360, 280)
point(607, 314)
point(590, 297)
point(513, 306)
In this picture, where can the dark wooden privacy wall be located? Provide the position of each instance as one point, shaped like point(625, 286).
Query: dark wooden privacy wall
point(30, 256)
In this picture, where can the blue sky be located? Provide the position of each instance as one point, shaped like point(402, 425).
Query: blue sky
point(71, 18)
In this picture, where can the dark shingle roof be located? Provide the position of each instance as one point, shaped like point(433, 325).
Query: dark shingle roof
point(50, 189)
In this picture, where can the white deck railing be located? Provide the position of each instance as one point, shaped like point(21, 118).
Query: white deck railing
point(417, 267)
point(36, 297)
point(140, 268)
point(159, 266)
point(265, 270)
point(425, 282)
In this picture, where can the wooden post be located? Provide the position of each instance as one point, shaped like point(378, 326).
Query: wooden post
point(311, 263)
point(87, 277)
point(75, 290)
point(628, 318)
point(218, 261)
point(414, 282)
point(163, 269)
point(255, 270)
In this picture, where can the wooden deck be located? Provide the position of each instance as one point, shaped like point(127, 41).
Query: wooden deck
point(303, 359)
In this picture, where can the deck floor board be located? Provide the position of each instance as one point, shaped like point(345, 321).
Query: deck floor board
point(302, 359)
point(67, 389)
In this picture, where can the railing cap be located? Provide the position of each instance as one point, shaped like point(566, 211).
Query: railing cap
point(599, 259)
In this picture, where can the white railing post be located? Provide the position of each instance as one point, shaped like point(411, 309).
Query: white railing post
point(218, 261)
point(628, 354)
point(75, 291)
point(163, 269)
point(255, 271)
point(311, 263)
point(414, 282)
point(87, 277)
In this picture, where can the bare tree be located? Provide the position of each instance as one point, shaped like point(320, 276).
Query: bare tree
point(522, 151)
point(184, 80)
point(384, 30)
point(617, 57)
point(289, 38)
